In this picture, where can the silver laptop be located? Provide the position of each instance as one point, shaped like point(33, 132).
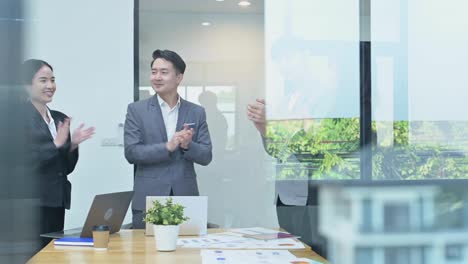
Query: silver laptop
point(196, 208)
point(107, 209)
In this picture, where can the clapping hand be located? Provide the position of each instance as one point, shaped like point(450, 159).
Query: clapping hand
point(186, 136)
point(256, 113)
point(63, 130)
point(81, 134)
point(172, 144)
point(181, 139)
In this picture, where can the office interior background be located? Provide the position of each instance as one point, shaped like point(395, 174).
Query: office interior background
point(384, 137)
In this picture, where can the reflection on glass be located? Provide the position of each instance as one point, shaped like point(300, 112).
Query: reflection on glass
point(419, 93)
point(231, 132)
point(420, 150)
point(192, 93)
point(219, 103)
point(312, 88)
point(226, 97)
point(403, 224)
point(315, 148)
point(312, 59)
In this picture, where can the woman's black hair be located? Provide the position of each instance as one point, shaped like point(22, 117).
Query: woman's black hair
point(31, 67)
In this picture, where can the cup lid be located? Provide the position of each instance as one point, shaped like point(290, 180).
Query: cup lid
point(100, 228)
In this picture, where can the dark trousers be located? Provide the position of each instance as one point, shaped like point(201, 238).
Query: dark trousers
point(137, 217)
point(51, 220)
point(302, 220)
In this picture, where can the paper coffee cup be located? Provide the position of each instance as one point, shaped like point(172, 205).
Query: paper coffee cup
point(101, 236)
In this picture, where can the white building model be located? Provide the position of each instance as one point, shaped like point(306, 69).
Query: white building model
point(393, 225)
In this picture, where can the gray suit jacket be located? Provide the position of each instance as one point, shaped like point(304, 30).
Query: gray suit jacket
point(289, 192)
point(158, 170)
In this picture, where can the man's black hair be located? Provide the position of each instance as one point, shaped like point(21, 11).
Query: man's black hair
point(171, 56)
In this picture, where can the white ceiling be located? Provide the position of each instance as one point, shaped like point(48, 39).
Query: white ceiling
point(213, 6)
point(200, 6)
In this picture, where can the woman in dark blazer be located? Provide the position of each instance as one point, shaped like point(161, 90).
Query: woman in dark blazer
point(54, 152)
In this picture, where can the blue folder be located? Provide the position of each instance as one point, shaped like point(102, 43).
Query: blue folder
point(74, 241)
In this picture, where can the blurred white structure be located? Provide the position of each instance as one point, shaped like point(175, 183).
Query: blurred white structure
point(393, 224)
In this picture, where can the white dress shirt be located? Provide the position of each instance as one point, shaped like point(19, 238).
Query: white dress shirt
point(170, 116)
point(51, 125)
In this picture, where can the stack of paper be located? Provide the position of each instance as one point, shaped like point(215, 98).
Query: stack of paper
point(254, 230)
point(236, 240)
point(251, 256)
point(263, 233)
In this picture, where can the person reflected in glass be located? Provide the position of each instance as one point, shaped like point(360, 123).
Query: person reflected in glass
point(305, 84)
point(296, 201)
point(54, 151)
point(218, 122)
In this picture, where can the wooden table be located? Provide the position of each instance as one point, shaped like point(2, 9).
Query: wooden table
point(132, 246)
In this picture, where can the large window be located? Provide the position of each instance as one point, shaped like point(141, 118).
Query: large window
point(312, 88)
point(413, 123)
point(419, 90)
point(396, 217)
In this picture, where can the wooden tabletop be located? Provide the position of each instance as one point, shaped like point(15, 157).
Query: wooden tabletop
point(132, 246)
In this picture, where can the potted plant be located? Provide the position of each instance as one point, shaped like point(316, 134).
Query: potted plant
point(165, 218)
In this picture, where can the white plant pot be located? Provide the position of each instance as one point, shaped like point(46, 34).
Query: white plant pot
point(165, 237)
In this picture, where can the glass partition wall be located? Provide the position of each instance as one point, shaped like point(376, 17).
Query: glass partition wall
point(222, 44)
point(364, 153)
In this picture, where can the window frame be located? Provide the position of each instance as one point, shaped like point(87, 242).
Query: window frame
point(365, 118)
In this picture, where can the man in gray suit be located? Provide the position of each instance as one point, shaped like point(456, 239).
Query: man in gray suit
point(164, 136)
point(296, 200)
